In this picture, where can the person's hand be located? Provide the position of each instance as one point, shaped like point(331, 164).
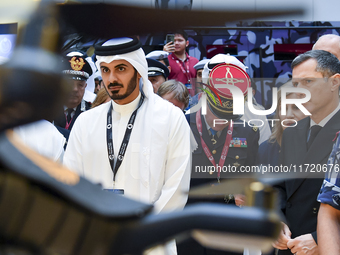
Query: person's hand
point(169, 47)
point(304, 244)
point(284, 237)
point(240, 200)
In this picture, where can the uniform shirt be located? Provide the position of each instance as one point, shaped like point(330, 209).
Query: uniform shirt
point(258, 120)
point(242, 151)
point(330, 190)
point(177, 67)
point(156, 165)
point(60, 120)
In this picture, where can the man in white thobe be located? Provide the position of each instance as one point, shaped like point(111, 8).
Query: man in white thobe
point(156, 165)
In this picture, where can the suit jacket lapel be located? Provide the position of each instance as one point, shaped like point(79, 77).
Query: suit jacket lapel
point(319, 150)
point(322, 145)
point(300, 141)
point(300, 147)
point(61, 119)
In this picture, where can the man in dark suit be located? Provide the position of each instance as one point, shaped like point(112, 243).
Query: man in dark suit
point(329, 212)
point(310, 142)
point(78, 69)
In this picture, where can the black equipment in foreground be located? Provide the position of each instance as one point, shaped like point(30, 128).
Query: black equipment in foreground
point(45, 208)
point(31, 86)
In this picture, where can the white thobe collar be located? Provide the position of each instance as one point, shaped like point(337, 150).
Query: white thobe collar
point(126, 108)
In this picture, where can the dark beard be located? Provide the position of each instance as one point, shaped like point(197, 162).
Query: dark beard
point(130, 88)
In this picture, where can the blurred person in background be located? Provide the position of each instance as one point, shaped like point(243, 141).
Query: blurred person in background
point(77, 70)
point(102, 97)
point(175, 92)
point(199, 69)
point(269, 150)
point(98, 84)
point(182, 65)
point(157, 73)
point(161, 56)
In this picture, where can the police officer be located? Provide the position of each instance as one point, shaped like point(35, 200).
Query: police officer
point(78, 70)
point(199, 69)
point(157, 73)
point(161, 56)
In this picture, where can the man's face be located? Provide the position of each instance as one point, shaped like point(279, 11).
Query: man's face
point(305, 76)
point(77, 93)
point(156, 82)
point(98, 85)
point(211, 117)
point(199, 75)
point(198, 81)
point(120, 80)
point(180, 43)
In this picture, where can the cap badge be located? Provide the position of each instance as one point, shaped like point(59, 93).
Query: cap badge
point(224, 78)
point(77, 64)
point(229, 78)
point(227, 74)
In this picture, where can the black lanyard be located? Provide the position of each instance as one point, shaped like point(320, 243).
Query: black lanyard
point(126, 138)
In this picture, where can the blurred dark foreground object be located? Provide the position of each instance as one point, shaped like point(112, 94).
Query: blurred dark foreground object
point(31, 84)
point(47, 209)
point(142, 21)
point(31, 87)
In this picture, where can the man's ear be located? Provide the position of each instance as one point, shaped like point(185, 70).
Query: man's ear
point(138, 76)
point(335, 80)
point(85, 85)
point(187, 43)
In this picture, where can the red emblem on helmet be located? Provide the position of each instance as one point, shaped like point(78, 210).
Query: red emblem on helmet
point(229, 74)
